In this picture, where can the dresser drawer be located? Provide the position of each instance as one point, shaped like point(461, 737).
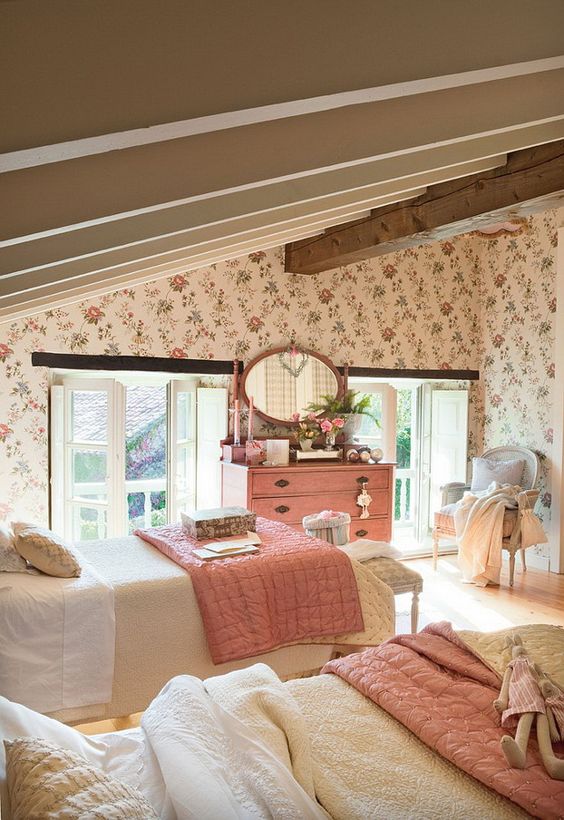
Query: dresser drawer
point(292, 509)
point(312, 482)
point(377, 529)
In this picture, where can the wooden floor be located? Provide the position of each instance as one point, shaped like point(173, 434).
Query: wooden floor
point(536, 597)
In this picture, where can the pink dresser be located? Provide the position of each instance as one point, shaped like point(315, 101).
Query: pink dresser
point(288, 493)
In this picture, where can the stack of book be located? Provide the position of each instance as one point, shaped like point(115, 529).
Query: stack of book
point(228, 547)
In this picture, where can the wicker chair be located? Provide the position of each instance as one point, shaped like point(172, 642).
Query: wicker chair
point(453, 492)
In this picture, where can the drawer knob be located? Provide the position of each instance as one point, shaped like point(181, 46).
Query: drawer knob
point(281, 483)
point(361, 533)
point(282, 509)
point(362, 480)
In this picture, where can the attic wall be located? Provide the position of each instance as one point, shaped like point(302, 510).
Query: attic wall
point(437, 306)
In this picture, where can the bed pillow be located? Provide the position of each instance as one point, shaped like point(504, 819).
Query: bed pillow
point(116, 754)
point(47, 781)
point(486, 470)
point(46, 551)
point(10, 559)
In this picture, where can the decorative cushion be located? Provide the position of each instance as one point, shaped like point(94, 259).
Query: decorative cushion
point(117, 754)
point(10, 559)
point(444, 519)
point(45, 551)
point(486, 470)
point(46, 781)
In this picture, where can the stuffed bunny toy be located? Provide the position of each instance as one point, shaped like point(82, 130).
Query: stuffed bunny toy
point(526, 695)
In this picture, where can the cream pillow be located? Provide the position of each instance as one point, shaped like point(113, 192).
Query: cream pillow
point(45, 550)
point(10, 559)
point(45, 782)
point(486, 470)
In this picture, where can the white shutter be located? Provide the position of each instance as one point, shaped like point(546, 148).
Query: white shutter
point(449, 440)
point(57, 466)
point(212, 427)
point(89, 459)
point(181, 447)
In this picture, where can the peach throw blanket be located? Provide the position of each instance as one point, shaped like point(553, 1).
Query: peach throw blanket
point(295, 588)
point(443, 693)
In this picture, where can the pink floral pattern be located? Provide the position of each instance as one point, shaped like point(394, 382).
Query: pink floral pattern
point(468, 302)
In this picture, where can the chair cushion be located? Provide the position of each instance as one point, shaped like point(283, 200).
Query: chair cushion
point(444, 520)
point(486, 470)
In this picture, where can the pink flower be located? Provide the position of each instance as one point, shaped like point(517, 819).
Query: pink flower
point(500, 280)
point(5, 351)
point(338, 423)
point(326, 426)
point(311, 417)
point(4, 431)
point(295, 417)
point(446, 308)
point(177, 353)
point(447, 247)
point(255, 323)
point(498, 340)
point(178, 282)
point(257, 256)
point(496, 400)
point(388, 334)
point(93, 315)
point(445, 366)
point(326, 295)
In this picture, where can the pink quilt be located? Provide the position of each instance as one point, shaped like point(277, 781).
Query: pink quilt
point(443, 693)
point(295, 588)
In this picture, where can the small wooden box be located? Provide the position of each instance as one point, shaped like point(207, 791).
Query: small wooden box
point(220, 522)
point(233, 453)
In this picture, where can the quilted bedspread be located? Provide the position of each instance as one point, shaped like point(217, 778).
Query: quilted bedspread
point(440, 690)
point(295, 588)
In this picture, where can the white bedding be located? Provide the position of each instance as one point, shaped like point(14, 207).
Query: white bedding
point(159, 632)
point(57, 639)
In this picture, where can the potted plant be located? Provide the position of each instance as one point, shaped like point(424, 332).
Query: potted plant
point(352, 407)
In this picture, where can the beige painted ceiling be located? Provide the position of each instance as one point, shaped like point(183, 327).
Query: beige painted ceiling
point(141, 138)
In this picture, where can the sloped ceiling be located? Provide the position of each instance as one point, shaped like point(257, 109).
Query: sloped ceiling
point(141, 138)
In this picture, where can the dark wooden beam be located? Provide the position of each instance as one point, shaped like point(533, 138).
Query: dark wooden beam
point(411, 373)
point(155, 364)
point(532, 180)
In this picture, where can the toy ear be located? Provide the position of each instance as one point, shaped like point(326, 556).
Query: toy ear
point(517, 639)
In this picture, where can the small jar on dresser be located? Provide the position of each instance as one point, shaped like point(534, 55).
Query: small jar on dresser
point(288, 493)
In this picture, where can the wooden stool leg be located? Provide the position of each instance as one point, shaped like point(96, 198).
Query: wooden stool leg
point(511, 568)
point(523, 562)
point(414, 611)
point(435, 549)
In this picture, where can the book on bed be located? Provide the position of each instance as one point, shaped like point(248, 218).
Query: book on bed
point(224, 547)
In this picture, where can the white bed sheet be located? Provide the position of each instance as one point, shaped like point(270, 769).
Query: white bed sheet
point(57, 639)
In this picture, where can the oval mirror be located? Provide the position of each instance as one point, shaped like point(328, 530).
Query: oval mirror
point(283, 381)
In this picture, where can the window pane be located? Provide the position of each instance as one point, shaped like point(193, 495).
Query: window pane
point(89, 415)
point(89, 474)
point(369, 430)
point(145, 433)
point(88, 523)
point(184, 416)
point(403, 443)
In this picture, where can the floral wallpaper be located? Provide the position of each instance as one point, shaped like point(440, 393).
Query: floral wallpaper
point(464, 303)
point(518, 307)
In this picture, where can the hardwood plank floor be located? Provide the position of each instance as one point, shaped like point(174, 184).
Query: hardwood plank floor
point(537, 597)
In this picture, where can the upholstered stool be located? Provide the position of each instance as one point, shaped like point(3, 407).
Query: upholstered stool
point(400, 579)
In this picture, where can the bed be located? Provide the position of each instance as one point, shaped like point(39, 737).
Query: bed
point(349, 758)
point(158, 633)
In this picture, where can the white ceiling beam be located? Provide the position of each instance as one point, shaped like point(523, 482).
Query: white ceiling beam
point(89, 146)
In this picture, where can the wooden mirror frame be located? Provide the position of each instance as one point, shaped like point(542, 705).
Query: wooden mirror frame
point(271, 352)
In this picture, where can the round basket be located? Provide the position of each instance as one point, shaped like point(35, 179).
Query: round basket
point(328, 525)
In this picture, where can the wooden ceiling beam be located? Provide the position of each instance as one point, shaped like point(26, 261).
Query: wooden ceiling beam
point(532, 179)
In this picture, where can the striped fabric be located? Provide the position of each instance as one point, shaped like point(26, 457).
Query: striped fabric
point(524, 693)
point(556, 703)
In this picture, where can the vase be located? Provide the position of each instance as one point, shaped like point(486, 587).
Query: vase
point(329, 441)
point(306, 444)
point(352, 427)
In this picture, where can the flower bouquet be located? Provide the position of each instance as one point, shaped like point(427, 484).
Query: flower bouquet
point(307, 430)
point(331, 428)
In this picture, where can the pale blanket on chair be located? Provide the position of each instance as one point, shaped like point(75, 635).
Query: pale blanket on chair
point(478, 520)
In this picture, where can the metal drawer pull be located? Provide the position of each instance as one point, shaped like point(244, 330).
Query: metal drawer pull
point(282, 509)
point(281, 483)
point(361, 533)
point(362, 480)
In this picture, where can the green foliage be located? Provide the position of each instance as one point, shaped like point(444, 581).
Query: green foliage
point(352, 403)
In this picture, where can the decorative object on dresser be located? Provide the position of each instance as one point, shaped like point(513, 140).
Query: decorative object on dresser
point(289, 493)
